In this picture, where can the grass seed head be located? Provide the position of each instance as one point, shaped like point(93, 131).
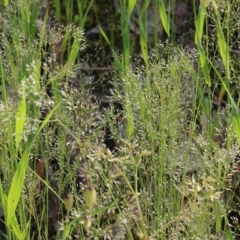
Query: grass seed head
point(90, 196)
point(87, 223)
point(68, 201)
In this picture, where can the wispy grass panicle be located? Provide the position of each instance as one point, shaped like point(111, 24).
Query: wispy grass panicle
point(157, 158)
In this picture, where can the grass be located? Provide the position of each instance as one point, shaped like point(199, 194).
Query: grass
point(176, 134)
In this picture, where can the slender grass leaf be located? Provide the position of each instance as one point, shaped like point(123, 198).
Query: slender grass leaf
point(46, 120)
point(104, 35)
point(234, 106)
point(19, 175)
point(222, 44)
point(204, 65)
point(57, 5)
point(200, 24)
point(83, 19)
point(235, 110)
point(164, 17)
point(205, 2)
point(131, 5)
point(16, 229)
point(125, 36)
point(3, 198)
point(46, 183)
point(25, 16)
point(116, 60)
point(20, 119)
point(143, 41)
point(199, 88)
point(236, 125)
point(25, 10)
point(17, 184)
point(74, 50)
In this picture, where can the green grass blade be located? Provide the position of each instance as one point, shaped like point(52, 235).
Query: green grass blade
point(74, 49)
point(104, 36)
point(46, 120)
point(125, 35)
point(198, 37)
point(164, 17)
point(199, 89)
point(19, 175)
point(5, 2)
point(17, 184)
point(20, 119)
point(204, 65)
point(16, 229)
point(3, 198)
point(200, 24)
point(131, 5)
point(222, 43)
point(236, 125)
point(120, 67)
point(25, 15)
point(235, 110)
point(84, 18)
point(58, 10)
point(143, 40)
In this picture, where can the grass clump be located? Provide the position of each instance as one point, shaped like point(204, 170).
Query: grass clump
point(173, 121)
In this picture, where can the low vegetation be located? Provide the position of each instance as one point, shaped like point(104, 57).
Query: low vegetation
point(120, 123)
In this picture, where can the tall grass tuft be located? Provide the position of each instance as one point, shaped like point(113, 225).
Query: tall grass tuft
point(174, 153)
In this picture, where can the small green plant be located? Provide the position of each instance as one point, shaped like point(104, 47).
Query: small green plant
point(173, 118)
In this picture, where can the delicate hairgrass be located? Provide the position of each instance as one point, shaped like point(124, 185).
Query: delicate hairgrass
point(155, 137)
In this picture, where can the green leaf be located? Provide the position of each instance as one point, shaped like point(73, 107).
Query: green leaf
point(3, 198)
point(164, 17)
point(104, 35)
point(131, 5)
point(236, 125)
point(46, 120)
point(74, 50)
point(16, 229)
point(83, 20)
point(19, 175)
point(143, 41)
point(20, 119)
point(116, 60)
point(204, 65)
point(17, 184)
point(200, 24)
point(222, 43)
point(235, 110)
